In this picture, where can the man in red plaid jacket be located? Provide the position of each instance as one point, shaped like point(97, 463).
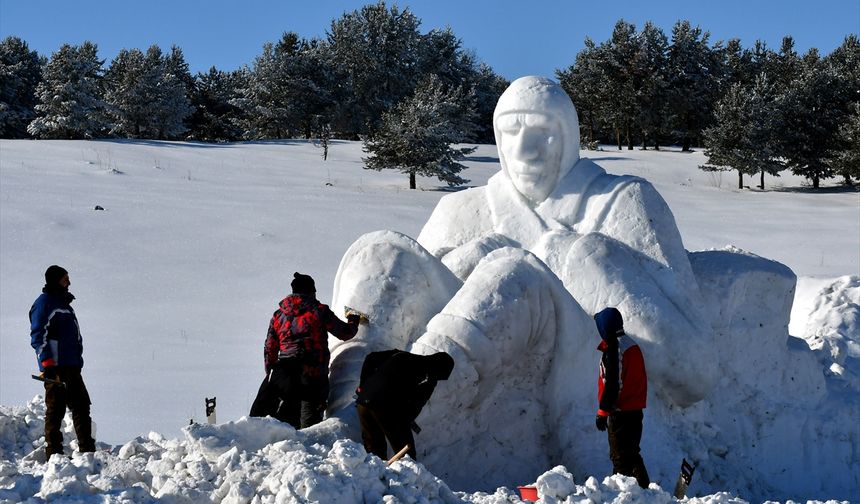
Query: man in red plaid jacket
point(296, 356)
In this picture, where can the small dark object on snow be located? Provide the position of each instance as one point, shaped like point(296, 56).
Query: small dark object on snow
point(210, 410)
point(684, 479)
point(98, 207)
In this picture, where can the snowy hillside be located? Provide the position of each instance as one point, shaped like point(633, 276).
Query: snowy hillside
point(177, 277)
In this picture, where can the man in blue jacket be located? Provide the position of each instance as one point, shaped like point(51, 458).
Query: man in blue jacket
point(56, 337)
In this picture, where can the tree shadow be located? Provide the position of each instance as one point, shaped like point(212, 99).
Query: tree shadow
point(803, 189)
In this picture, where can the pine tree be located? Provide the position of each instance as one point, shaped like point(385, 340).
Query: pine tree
point(129, 92)
point(213, 119)
point(20, 73)
point(620, 52)
point(415, 136)
point(846, 159)
point(70, 96)
point(175, 87)
point(844, 62)
point(584, 82)
point(375, 51)
point(488, 87)
point(692, 66)
point(147, 94)
point(650, 84)
point(742, 136)
point(811, 113)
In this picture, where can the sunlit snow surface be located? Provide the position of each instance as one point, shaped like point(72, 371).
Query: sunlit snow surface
point(176, 280)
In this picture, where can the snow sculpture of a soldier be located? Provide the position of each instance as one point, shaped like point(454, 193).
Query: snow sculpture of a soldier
point(504, 278)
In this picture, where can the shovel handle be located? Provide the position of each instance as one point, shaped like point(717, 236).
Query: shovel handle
point(399, 455)
point(47, 380)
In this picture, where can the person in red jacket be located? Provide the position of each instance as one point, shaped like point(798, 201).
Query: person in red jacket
point(622, 388)
point(296, 356)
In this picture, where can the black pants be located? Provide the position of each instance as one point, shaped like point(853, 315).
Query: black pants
point(625, 432)
point(74, 396)
point(291, 395)
point(377, 425)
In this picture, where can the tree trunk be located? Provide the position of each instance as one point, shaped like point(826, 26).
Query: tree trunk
point(618, 137)
point(644, 141)
point(815, 181)
point(629, 140)
point(686, 145)
point(412, 180)
point(740, 179)
point(761, 184)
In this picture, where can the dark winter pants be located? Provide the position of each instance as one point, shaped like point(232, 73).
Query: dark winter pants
point(289, 394)
point(625, 432)
point(376, 426)
point(73, 395)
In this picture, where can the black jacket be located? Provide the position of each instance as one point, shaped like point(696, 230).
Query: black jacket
point(399, 381)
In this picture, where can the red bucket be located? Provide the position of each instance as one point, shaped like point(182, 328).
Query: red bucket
point(528, 493)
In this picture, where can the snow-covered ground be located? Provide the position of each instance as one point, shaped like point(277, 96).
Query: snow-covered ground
point(176, 280)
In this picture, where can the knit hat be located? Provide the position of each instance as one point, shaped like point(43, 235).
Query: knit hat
point(54, 274)
point(441, 364)
point(302, 284)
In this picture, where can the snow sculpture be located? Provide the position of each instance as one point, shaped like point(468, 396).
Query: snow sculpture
point(505, 277)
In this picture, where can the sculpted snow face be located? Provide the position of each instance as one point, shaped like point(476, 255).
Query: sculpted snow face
point(505, 277)
point(537, 132)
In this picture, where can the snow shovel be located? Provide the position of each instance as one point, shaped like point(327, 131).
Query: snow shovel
point(684, 479)
point(398, 456)
point(48, 380)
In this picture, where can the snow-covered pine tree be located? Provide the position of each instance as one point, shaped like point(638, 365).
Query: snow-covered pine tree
point(70, 96)
point(692, 66)
point(620, 51)
point(130, 90)
point(812, 109)
point(415, 136)
point(651, 84)
point(845, 63)
point(488, 87)
point(846, 158)
point(213, 119)
point(175, 86)
point(375, 50)
point(147, 93)
point(20, 72)
point(585, 82)
point(742, 136)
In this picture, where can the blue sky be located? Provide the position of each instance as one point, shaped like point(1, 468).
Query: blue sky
point(525, 37)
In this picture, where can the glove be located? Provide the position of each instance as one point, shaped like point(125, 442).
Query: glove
point(50, 373)
point(353, 318)
point(601, 422)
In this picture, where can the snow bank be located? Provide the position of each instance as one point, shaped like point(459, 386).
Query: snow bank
point(261, 461)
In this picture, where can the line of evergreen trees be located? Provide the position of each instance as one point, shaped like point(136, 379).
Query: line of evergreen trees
point(371, 60)
point(373, 76)
point(755, 110)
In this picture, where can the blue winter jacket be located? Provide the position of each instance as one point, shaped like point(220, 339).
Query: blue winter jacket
point(54, 331)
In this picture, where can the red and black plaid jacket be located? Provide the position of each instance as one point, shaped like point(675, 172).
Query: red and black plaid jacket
point(299, 329)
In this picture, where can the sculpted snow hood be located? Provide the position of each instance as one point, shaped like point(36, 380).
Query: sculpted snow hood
point(541, 95)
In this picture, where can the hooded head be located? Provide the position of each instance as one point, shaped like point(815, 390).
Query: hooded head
point(537, 134)
point(303, 284)
point(610, 325)
point(440, 365)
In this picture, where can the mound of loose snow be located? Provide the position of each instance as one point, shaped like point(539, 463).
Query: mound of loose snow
point(261, 461)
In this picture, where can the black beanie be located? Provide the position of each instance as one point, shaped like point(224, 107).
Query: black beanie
point(54, 274)
point(441, 364)
point(302, 284)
